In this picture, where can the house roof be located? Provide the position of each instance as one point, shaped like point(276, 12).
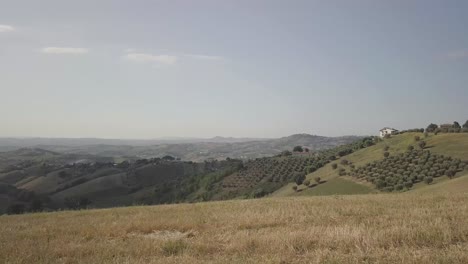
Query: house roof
point(385, 128)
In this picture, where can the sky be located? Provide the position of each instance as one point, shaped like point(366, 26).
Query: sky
point(243, 68)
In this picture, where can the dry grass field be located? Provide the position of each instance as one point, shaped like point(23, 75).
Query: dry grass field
point(372, 228)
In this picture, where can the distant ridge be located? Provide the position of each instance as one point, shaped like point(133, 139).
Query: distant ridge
point(194, 149)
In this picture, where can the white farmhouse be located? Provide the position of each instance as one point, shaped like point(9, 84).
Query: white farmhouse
point(387, 131)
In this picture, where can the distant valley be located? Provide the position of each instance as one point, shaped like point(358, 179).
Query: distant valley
point(189, 149)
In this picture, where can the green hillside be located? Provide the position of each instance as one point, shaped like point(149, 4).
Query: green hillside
point(454, 145)
point(30, 175)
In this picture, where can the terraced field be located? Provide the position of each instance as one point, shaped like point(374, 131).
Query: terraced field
point(277, 170)
point(454, 145)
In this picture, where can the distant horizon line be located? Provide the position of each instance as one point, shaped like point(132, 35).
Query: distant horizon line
point(171, 137)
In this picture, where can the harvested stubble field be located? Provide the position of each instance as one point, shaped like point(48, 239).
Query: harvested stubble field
point(374, 228)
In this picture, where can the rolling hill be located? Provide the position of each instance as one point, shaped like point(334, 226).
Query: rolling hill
point(453, 145)
point(185, 149)
point(62, 180)
point(349, 219)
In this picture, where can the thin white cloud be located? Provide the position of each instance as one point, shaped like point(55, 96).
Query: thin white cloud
point(456, 55)
point(144, 57)
point(63, 50)
point(6, 28)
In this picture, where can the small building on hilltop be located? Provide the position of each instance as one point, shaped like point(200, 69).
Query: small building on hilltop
point(387, 131)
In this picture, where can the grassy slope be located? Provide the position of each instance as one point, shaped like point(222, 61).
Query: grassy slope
point(454, 145)
point(457, 185)
point(334, 187)
point(381, 228)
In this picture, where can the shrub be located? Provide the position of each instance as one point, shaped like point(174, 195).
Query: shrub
point(341, 172)
point(431, 127)
point(380, 184)
point(16, 208)
point(173, 247)
point(428, 179)
point(410, 148)
point(259, 193)
point(35, 205)
point(168, 157)
point(386, 154)
point(344, 162)
point(298, 149)
point(398, 187)
point(306, 182)
point(388, 189)
point(422, 144)
point(299, 178)
point(294, 188)
point(408, 184)
point(416, 138)
point(450, 173)
point(317, 179)
point(386, 148)
point(334, 166)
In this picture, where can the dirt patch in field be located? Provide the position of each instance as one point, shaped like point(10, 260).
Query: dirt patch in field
point(167, 234)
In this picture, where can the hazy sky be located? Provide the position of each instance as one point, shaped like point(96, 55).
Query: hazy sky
point(146, 69)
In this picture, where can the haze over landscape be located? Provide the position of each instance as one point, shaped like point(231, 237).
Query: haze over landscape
point(260, 131)
point(150, 69)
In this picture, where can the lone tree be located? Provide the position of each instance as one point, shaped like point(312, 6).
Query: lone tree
point(299, 178)
point(422, 144)
point(306, 149)
point(317, 180)
point(428, 180)
point(450, 173)
point(298, 149)
point(456, 125)
point(431, 127)
point(466, 124)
